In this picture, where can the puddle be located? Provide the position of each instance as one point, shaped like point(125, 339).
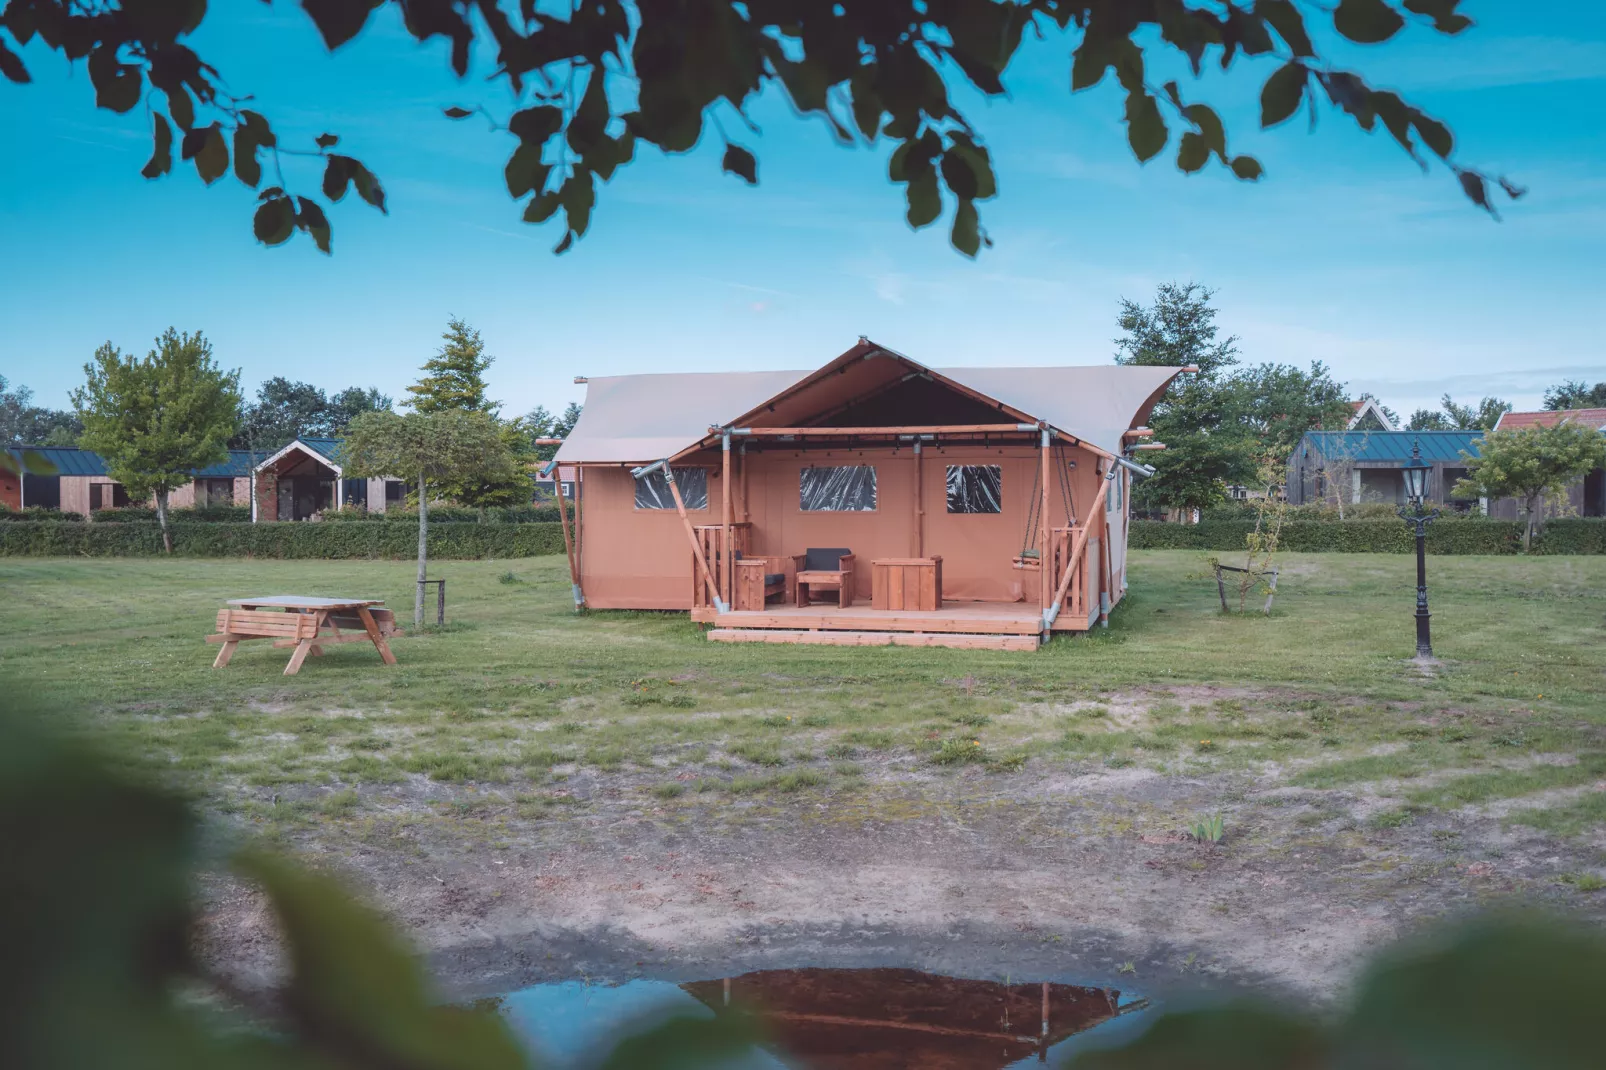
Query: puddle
point(870, 1019)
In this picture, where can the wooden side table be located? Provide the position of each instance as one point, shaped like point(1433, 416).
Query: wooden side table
point(906, 583)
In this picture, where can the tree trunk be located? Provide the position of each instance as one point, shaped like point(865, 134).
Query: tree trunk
point(423, 553)
point(1528, 527)
point(161, 516)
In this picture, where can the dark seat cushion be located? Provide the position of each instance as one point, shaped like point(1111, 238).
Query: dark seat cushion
point(771, 578)
point(826, 560)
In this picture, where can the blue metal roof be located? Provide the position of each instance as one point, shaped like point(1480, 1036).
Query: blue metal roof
point(69, 461)
point(326, 446)
point(64, 460)
point(1393, 446)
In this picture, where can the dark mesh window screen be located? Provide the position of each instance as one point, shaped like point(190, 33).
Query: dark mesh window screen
point(652, 490)
point(975, 488)
point(846, 489)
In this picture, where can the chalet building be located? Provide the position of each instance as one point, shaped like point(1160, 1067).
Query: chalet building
point(1585, 496)
point(873, 500)
point(1368, 466)
point(79, 484)
point(305, 479)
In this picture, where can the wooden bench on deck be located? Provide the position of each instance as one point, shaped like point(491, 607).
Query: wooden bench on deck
point(307, 624)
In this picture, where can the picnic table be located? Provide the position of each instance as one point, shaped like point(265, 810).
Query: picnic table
point(304, 622)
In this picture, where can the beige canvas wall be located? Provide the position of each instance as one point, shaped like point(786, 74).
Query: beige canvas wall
point(641, 559)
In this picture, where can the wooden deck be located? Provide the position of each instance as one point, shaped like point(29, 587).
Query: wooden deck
point(993, 625)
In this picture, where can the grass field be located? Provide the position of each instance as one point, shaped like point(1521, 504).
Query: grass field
point(517, 692)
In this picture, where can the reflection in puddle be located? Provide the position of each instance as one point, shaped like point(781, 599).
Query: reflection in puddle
point(876, 1019)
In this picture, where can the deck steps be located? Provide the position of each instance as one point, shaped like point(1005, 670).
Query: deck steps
point(863, 638)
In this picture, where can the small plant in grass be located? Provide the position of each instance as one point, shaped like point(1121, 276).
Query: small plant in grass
point(1210, 830)
point(972, 719)
point(1127, 967)
point(776, 721)
point(959, 751)
point(1584, 882)
point(1206, 745)
point(509, 577)
point(1393, 819)
point(1008, 764)
point(841, 750)
point(1117, 761)
point(671, 790)
point(1516, 739)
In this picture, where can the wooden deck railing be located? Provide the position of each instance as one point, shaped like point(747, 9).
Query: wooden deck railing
point(711, 537)
point(1072, 567)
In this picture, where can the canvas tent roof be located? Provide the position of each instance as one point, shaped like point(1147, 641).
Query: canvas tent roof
point(643, 418)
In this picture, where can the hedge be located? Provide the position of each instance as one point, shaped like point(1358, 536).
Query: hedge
point(196, 539)
point(1446, 536)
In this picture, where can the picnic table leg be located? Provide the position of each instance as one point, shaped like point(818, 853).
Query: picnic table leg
point(319, 615)
point(368, 624)
point(225, 654)
point(298, 657)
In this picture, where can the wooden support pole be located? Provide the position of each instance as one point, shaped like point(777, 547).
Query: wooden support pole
point(727, 566)
point(920, 506)
point(696, 543)
point(1045, 572)
point(568, 544)
point(741, 458)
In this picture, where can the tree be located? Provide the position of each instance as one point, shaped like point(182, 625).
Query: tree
point(1467, 418)
point(351, 403)
point(1530, 462)
point(283, 412)
point(1205, 446)
point(1278, 403)
point(156, 421)
point(1574, 394)
point(540, 423)
point(454, 378)
point(22, 423)
point(594, 82)
point(1429, 420)
point(426, 449)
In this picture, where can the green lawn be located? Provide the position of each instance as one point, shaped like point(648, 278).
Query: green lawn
point(519, 692)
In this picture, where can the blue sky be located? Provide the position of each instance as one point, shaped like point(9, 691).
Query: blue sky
point(1345, 252)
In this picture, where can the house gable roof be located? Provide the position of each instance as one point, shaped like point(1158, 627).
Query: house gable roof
point(642, 418)
point(1595, 418)
point(322, 450)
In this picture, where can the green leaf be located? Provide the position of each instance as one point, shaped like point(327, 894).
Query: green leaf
point(1209, 123)
point(1435, 135)
point(925, 200)
point(326, 141)
point(524, 172)
point(1507, 991)
point(1285, 18)
point(579, 195)
point(980, 161)
point(1238, 1036)
point(867, 105)
point(565, 244)
point(1088, 63)
point(455, 112)
point(12, 67)
point(274, 221)
point(1476, 187)
point(357, 988)
point(310, 218)
point(117, 85)
point(161, 161)
point(534, 126)
point(541, 207)
point(212, 157)
point(1367, 22)
point(368, 187)
point(336, 175)
point(1282, 93)
point(1247, 168)
point(1193, 153)
point(957, 174)
point(685, 1044)
point(180, 107)
point(738, 161)
point(1145, 129)
point(252, 133)
point(966, 233)
point(339, 20)
point(1443, 13)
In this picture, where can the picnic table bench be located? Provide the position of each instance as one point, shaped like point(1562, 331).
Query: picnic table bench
point(306, 623)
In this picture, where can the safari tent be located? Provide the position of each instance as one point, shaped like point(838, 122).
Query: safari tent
point(871, 501)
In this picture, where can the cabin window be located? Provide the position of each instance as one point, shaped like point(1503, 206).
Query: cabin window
point(975, 488)
point(395, 491)
point(652, 489)
point(848, 488)
point(217, 491)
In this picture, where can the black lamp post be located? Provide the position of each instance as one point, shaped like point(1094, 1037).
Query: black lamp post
point(1416, 490)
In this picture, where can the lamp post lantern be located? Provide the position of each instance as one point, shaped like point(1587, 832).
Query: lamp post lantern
point(1416, 490)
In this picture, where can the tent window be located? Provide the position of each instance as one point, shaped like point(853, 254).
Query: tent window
point(975, 488)
point(844, 489)
point(652, 489)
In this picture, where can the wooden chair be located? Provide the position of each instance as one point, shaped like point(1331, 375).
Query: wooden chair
point(825, 568)
point(759, 578)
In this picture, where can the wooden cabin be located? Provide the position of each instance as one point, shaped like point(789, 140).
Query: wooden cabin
point(872, 501)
